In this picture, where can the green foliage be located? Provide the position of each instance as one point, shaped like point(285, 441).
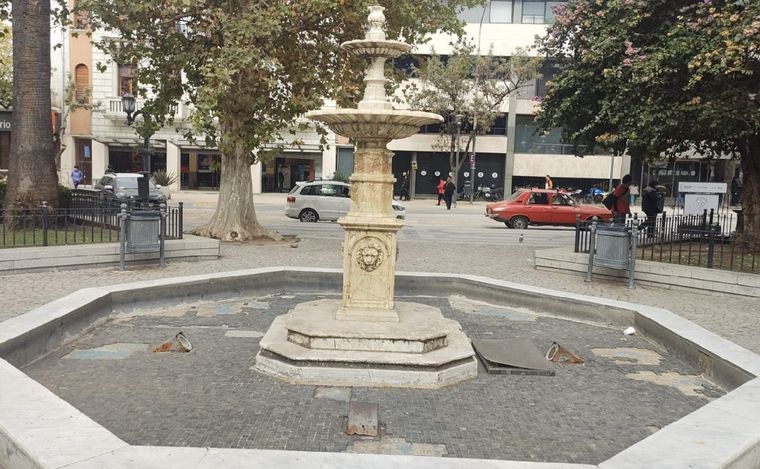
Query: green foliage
point(64, 194)
point(655, 77)
point(164, 178)
point(6, 67)
point(472, 86)
point(338, 176)
point(3, 188)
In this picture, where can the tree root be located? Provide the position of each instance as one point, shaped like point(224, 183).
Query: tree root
point(236, 233)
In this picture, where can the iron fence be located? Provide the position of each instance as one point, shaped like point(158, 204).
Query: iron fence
point(82, 223)
point(707, 240)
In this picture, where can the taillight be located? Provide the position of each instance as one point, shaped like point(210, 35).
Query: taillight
point(291, 199)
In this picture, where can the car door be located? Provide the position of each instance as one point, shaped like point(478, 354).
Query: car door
point(563, 209)
point(539, 210)
point(344, 197)
point(331, 201)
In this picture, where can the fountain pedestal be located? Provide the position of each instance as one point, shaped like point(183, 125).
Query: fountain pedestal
point(365, 339)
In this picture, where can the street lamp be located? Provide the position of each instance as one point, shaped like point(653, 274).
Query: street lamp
point(458, 118)
point(128, 104)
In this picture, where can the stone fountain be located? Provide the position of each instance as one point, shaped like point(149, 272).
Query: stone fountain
point(367, 339)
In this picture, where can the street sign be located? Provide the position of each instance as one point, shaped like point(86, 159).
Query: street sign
point(472, 159)
point(703, 187)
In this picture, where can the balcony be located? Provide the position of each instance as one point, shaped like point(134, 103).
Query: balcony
point(115, 111)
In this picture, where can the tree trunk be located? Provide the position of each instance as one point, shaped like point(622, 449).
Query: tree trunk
point(32, 176)
point(750, 161)
point(235, 216)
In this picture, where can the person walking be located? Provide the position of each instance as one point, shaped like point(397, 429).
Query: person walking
point(650, 207)
point(548, 184)
point(441, 189)
point(77, 176)
point(405, 194)
point(622, 207)
point(448, 192)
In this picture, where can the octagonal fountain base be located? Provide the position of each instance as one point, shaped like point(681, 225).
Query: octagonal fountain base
point(310, 346)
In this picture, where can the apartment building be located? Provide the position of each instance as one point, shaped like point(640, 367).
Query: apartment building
point(510, 155)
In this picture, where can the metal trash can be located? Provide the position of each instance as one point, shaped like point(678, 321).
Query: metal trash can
point(614, 247)
point(143, 231)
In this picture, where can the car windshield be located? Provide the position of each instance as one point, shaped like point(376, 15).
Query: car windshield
point(130, 183)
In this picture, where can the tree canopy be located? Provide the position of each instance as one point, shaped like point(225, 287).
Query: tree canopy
point(657, 78)
point(250, 69)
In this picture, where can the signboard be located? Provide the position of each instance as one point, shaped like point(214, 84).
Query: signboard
point(472, 159)
point(703, 187)
point(5, 121)
point(696, 204)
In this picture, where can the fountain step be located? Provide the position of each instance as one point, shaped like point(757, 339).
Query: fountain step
point(420, 328)
point(293, 363)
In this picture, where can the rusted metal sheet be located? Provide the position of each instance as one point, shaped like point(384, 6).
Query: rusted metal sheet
point(559, 354)
point(515, 356)
point(362, 418)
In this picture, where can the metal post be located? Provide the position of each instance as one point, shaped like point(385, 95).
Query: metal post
point(632, 259)
point(458, 118)
point(592, 247)
point(475, 117)
point(711, 247)
point(44, 223)
point(179, 227)
point(122, 236)
point(162, 234)
point(612, 171)
point(577, 233)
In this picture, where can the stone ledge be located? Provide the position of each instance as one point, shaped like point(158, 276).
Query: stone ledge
point(656, 273)
point(14, 260)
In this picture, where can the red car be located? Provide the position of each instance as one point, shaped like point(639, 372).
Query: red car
point(543, 207)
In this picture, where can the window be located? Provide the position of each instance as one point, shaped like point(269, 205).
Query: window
point(81, 83)
point(127, 82)
point(539, 11)
point(562, 199)
point(501, 11)
point(539, 198)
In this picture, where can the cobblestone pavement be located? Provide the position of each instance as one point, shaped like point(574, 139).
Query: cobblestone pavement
point(211, 397)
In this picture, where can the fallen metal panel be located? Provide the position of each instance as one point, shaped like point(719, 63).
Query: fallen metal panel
point(516, 356)
point(362, 418)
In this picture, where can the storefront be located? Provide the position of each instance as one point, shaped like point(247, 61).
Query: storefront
point(129, 160)
point(200, 170)
point(282, 172)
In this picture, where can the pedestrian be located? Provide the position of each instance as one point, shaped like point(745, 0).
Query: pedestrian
point(650, 206)
point(280, 180)
point(405, 187)
point(448, 192)
point(736, 190)
point(77, 176)
point(441, 189)
point(548, 184)
point(634, 193)
point(622, 207)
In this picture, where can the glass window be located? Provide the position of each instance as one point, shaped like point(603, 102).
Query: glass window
point(550, 7)
point(562, 199)
point(311, 190)
point(533, 11)
point(127, 80)
point(501, 11)
point(539, 198)
point(329, 190)
point(471, 15)
point(81, 83)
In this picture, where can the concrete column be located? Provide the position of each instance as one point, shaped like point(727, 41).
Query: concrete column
point(68, 160)
point(256, 177)
point(173, 163)
point(509, 160)
point(99, 159)
point(329, 159)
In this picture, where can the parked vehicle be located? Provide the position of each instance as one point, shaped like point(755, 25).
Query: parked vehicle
point(489, 193)
point(542, 207)
point(324, 200)
point(116, 188)
point(594, 195)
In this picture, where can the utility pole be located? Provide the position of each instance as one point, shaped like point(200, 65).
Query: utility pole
point(475, 113)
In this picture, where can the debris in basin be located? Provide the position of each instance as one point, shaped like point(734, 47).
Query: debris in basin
point(178, 343)
point(629, 331)
point(559, 354)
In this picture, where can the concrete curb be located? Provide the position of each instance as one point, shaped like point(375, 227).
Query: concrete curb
point(656, 273)
point(30, 259)
point(50, 433)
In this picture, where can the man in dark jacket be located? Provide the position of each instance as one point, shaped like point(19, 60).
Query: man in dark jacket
point(649, 206)
point(448, 192)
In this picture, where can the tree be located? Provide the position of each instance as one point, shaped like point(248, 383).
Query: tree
point(658, 78)
point(469, 90)
point(32, 176)
point(250, 69)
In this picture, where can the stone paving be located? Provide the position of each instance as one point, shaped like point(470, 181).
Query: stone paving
point(211, 397)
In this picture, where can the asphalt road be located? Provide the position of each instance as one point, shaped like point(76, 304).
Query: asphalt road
point(425, 221)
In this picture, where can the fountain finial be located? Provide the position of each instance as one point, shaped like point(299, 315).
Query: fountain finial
point(376, 21)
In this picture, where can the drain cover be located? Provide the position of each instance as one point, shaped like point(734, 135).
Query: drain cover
point(512, 357)
point(362, 418)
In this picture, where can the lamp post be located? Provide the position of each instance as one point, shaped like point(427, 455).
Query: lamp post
point(458, 118)
point(475, 116)
point(128, 103)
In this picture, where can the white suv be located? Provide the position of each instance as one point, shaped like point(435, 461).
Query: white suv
point(324, 200)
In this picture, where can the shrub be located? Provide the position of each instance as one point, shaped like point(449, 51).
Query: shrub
point(163, 178)
point(3, 186)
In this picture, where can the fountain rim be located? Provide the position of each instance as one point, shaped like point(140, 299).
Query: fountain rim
point(369, 114)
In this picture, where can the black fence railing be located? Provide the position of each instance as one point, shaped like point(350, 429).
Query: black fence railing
point(82, 223)
point(707, 240)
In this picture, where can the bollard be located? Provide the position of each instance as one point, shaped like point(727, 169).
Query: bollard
point(711, 247)
point(44, 223)
point(592, 242)
point(632, 260)
point(122, 236)
point(162, 234)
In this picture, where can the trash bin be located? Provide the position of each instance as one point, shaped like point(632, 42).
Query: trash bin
point(612, 247)
point(143, 231)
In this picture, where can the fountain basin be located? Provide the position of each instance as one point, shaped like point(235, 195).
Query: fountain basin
point(375, 124)
point(369, 48)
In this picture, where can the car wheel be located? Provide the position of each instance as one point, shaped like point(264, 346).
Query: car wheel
point(507, 224)
point(308, 216)
point(519, 223)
